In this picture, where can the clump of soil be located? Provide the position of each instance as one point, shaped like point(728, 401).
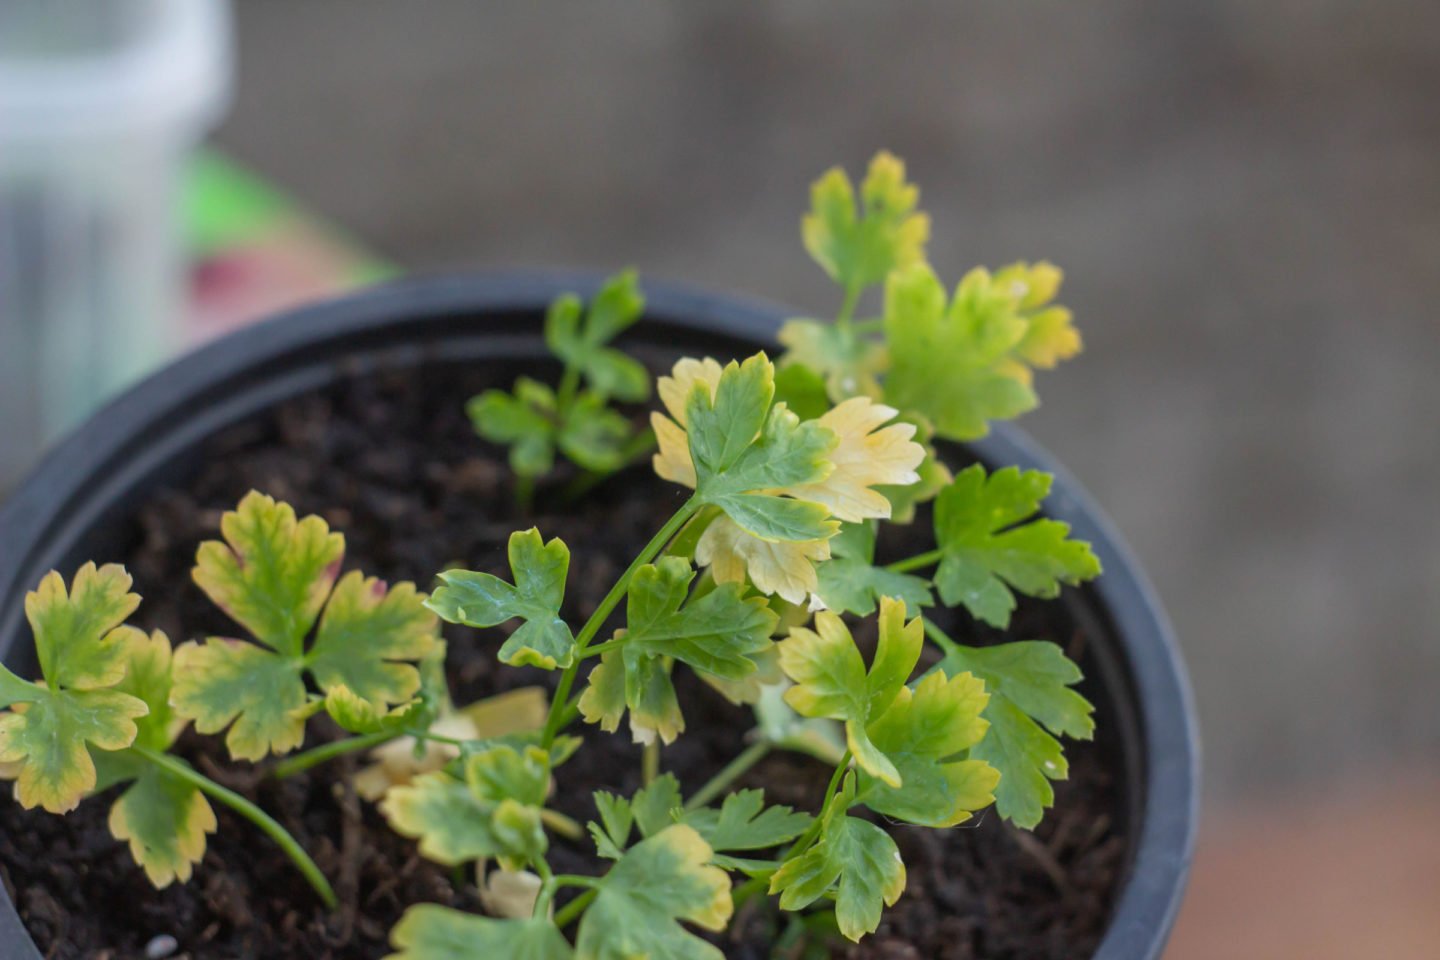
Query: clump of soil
point(391, 461)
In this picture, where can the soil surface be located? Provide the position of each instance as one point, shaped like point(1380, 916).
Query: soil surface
point(390, 461)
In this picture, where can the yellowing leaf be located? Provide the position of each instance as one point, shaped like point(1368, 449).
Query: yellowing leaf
point(50, 738)
point(867, 454)
point(74, 637)
point(850, 364)
point(831, 681)
point(740, 452)
point(656, 884)
point(858, 247)
point(922, 732)
point(52, 726)
point(782, 568)
point(165, 821)
point(966, 363)
point(273, 573)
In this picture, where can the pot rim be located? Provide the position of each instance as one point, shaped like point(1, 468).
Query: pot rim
point(49, 506)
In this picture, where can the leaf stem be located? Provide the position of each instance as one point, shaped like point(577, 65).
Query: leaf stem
point(574, 908)
point(941, 638)
point(329, 751)
point(607, 605)
point(250, 812)
point(916, 562)
point(808, 837)
point(872, 325)
point(650, 762)
point(728, 774)
point(847, 307)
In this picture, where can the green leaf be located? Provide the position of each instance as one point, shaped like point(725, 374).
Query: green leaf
point(148, 678)
point(74, 632)
point(1029, 684)
point(273, 573)
point(740, 445)
point(656, 806)
point(856, 860)
point(259, 695)
point(429, 931)
point(923, 732)
point(719, 633)
point(494, 812)
point(581, 343)
point(990, 544)
point(953, 363)
point(612, 834)
point(858, 247)
point(802, 390)
point(639, 905)
point(354, 714)
point(830, 678)
point(594, 436)
point(525, 422)
point(843, 363)
point(743, 822)
point(366, 636)
point(482, 600)
point(851, 583)
point(165, 820)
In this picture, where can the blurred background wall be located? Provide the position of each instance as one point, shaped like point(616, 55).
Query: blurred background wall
point(1246, 198)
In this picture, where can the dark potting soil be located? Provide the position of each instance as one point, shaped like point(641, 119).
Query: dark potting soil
point(391, 461)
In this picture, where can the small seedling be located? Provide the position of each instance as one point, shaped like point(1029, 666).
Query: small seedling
point(753, 585)
point(574, 419)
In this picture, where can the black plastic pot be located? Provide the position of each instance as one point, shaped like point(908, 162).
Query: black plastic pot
point(70, 507)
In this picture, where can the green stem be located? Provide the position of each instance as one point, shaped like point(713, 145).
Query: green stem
point(597, 619)
point(873, 325)
point(565, 395)
point(524, 493)
point(650, 762)
point(601, 649)
point(250, 812)
point(941, 638)
point(808, 837)
point(916, 562)
point(847, 307)
point(568, 913)
point(728, 774)
point(329, 751)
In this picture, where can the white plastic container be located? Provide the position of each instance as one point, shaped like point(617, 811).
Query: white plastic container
point(100, 102)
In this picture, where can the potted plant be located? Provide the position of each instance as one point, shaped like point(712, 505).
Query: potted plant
point(838, 613)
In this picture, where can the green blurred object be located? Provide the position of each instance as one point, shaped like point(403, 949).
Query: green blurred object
point(227, 206)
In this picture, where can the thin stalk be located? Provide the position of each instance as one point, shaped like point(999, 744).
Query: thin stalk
point(927, 559)
point(250, 812)
point(601, 649)
point(638, 448)
point(847, 307)
point(329, 751)
point(728, 774)
point(872, 325)
point(808, 837)
point(597, 619)
point(561, 824)
point(565, 395)
point(650, 762)
point(524, 493)
point(941, 638)
point(572, 910)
